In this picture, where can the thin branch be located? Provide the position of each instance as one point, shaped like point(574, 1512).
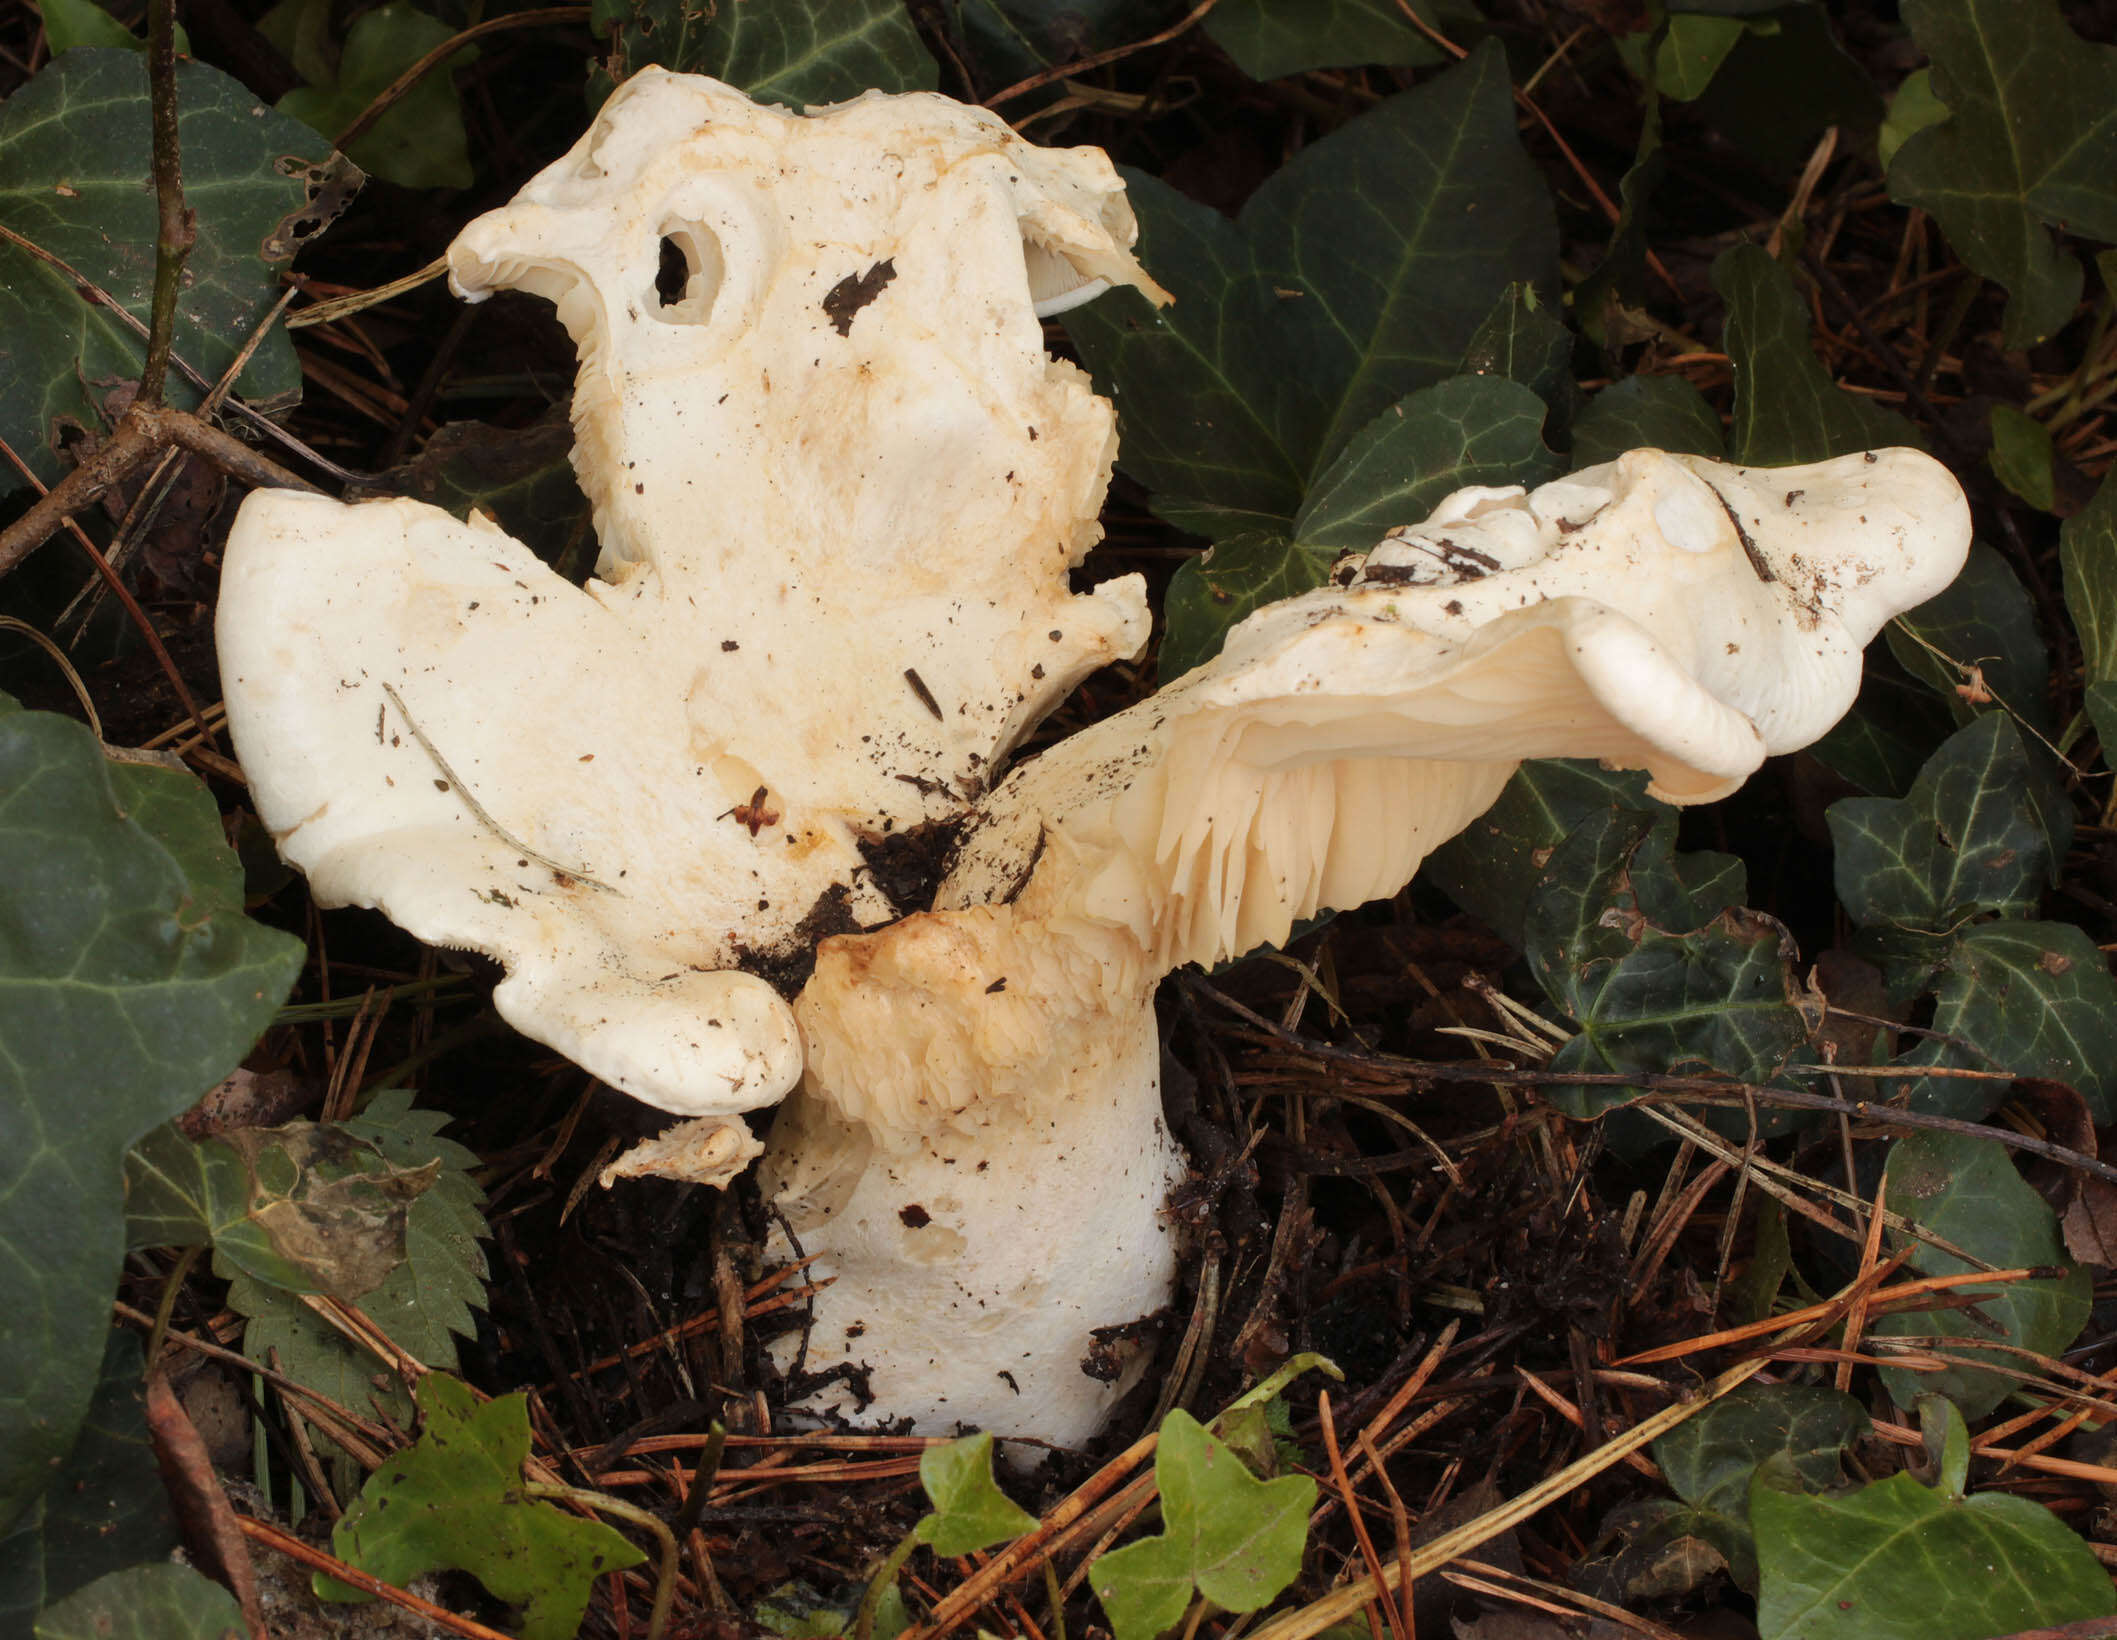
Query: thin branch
point(177, 228)
point(401, 86)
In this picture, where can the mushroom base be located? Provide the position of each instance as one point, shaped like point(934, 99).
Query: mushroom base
point(970, 1272)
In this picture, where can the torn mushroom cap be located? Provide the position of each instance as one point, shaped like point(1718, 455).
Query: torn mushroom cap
point(1662, 612)
point(839, 487)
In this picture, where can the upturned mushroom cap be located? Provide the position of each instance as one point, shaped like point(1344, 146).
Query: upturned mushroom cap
point(838, 486)
point(1660, 612)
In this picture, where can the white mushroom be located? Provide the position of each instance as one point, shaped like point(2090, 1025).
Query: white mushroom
point(976, 1152)
point(839, 487)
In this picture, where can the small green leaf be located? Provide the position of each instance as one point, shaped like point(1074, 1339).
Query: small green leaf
point(2087, 553)
point(1236, 1539)
point(2033, 998)
point(1710, 1458)
point(130, 982)
point(1647, 413)
point(1787, 409)
point(73, 180)
point(1691, 52)
point(154, 1602)
point(2029, 145)
point(1947, 1441)
point(419, 143)
point(1521, 341)
point(1967, 840)
point(1897, 1561)
point(970, 1511)
point(1911, 110)
point(71, 23)
point(1270, 39)
point(781, 51)
point(1470, 430)
point(1967, 1192)
point(454, 1501)
point(2021, 455)
point(106, 1507)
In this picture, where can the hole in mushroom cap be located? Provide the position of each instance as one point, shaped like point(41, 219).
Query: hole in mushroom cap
point(687, 274)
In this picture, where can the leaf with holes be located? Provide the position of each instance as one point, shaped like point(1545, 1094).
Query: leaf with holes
point(822, 51)
point(130, 983)
point(454, 1501)
point(73, 181)
point(1787, 409)
point(1967, 1192)
point(1236, 1539)
point(423, 1304)
point(2029, 146)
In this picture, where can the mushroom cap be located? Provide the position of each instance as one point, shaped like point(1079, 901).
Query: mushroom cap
point(839, 488)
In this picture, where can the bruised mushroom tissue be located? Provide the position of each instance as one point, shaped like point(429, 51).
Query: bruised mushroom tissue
point(839, 486)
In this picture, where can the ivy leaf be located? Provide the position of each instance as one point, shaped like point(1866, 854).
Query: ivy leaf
point(970, 1511)
point(130, 982)
point(1470, 430)
point(2030, 145)
point(2087, 553)
point(1491, 867)
point(1787, 409)
point(1966, 1191)
point(423, 1304)
point(1009, 40)
point(2033, 998)
point(454, 1501)
point(1912, 108)
point(778, 51)
point(306, 1208)
point(1987, 620)
point(1520, 341)
point(2021, 456)
point(1899, 1561)
point(1966, 840)
point(1709, 1459)
point(1895, 724)
point(1647, 413)
point(154, 1602)
point(1691, 51)
point(106, 1507)
point(1781, 86)
point(1657, 960)
point(1357, 273)
point(72, 23)
point(1210, 593)
point(1270, 39)
point(73, 180)
point(521, 476)
point(1234, 1538)
point(419, 143)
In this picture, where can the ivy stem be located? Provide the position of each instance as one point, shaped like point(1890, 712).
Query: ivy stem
point(177, 229)
point(880, 1584)
point(178, 1273)
point(604, 1503)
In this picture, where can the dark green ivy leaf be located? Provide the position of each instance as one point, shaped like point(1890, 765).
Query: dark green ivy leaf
point(1647, 413)
point(1269, 39)
point(1657, 961)
point(73, 180)
point(1966, 1191)
point(153, 1602)
point(2087, 553)
point(130, 983)
point(2030, 145)
point(1787, 409)
point(1521, 341)
point(779, 51)
point(1967, 840)
point(106, 1507)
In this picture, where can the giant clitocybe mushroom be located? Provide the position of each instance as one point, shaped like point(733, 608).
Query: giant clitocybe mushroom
point(736, 817)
